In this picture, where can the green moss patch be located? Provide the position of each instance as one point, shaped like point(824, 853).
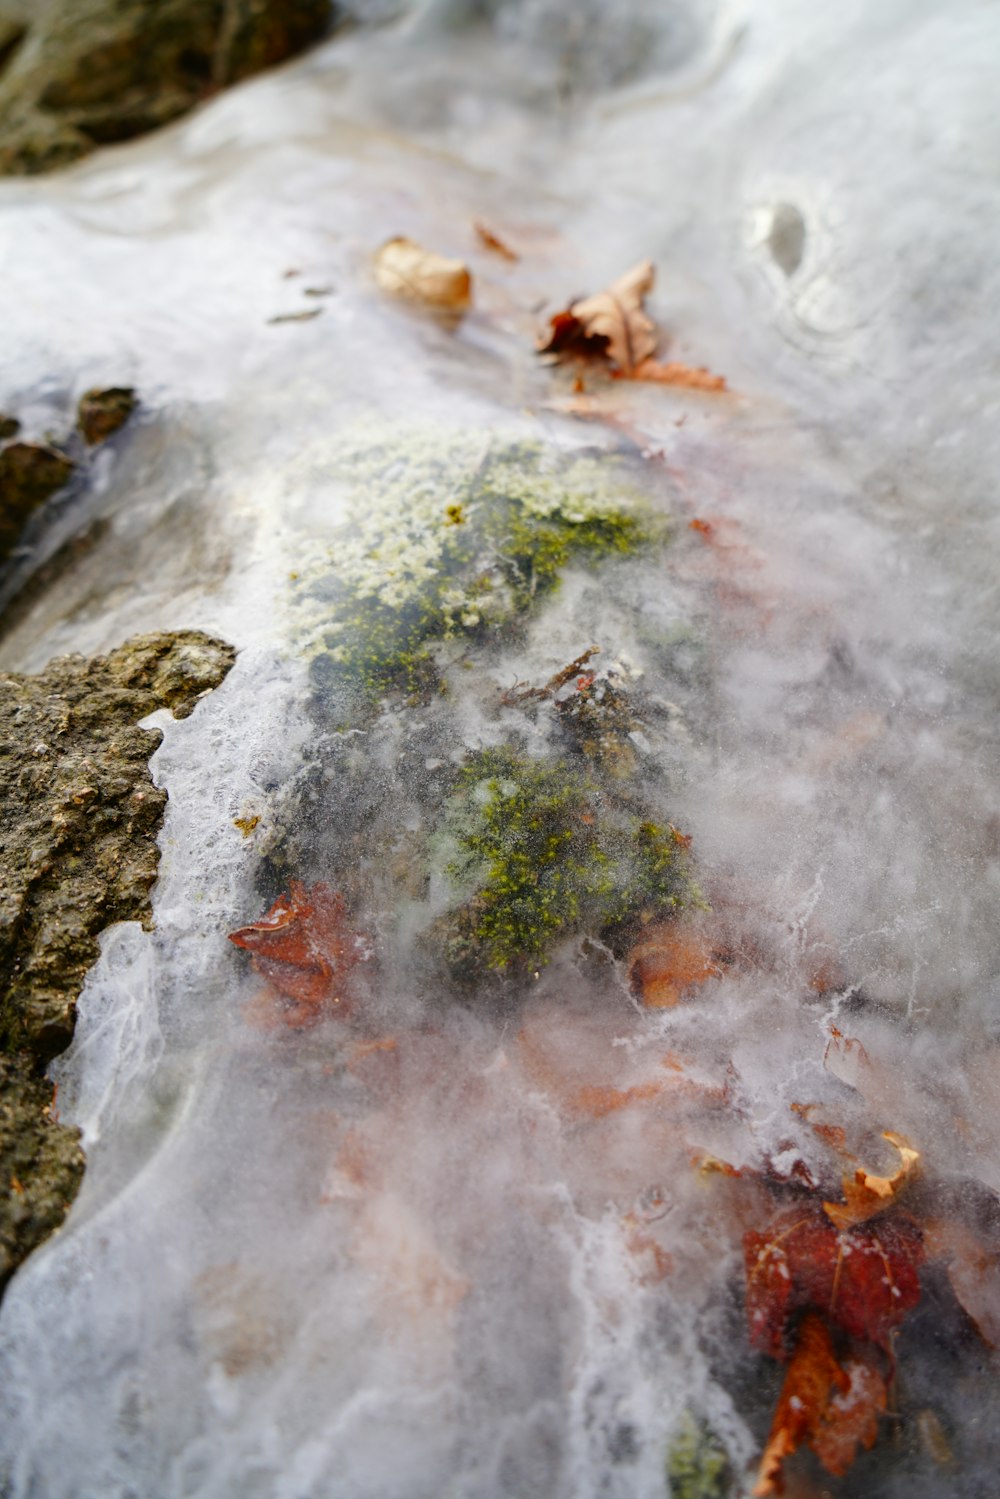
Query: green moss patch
point(456, 538)
point(543, 853)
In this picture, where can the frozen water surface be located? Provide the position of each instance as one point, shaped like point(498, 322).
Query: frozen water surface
point(454, 1243)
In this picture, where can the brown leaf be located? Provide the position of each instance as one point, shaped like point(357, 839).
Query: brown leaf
point(684, 375)
point(867, 1194)
point(493, 241)
point(405, 269)
point(612, 323)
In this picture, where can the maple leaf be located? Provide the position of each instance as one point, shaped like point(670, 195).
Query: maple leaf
point(830, 1407)
point(868, 1195)
point(305, 949)
point(405, 269)
point(864, 1280)
point(612, 323)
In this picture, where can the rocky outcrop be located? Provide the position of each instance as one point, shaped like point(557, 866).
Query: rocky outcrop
point(77, 852)
point(76, 74)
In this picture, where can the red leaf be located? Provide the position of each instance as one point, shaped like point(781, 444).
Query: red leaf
point(305, 949)
point(864, 1280)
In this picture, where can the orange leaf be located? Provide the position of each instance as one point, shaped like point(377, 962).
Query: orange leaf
point(828, 1407)
point(684, 375)
point(612, 323)
point(667, 961)
point(812, 1374)
point(867, 1194)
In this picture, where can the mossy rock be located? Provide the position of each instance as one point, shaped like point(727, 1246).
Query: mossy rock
point(78, 852)
point(454, 539)
point(542, 852)
point(75, 74)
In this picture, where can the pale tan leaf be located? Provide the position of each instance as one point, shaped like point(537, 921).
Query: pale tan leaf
point(405, 269)
point(613, 322)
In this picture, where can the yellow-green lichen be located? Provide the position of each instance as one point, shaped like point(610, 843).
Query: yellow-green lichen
point(698, 1465)
point(455, 537)
point(543, 852)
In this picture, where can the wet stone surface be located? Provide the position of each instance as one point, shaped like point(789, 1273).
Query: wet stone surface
point(78, 852)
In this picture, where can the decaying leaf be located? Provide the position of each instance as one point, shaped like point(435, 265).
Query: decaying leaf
point(306, 950)
point(868, 1195)
point(670, 959)
point(493, 241)
point(405, 269)
point(612, 323)
point(684, 375)
point(823, 1405)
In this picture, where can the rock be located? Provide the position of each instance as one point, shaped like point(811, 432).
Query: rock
point(12, 34)
point(29, 474)
point(88, 72)
point(9, 426)
point(102, 412)
point(78, 852)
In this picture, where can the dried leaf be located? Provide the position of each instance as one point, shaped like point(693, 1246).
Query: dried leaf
point(405, 269)
point(305, 949)
point(684, 375)
point(864, 1280)
point(867, 1194)
point(493, 241)
point(612, 323)
point(830, 1408)
point(670, 959)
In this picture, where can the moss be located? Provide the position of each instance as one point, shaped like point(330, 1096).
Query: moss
point(81, 815)
point(698, 1465)
point(454, 538)
point(542, 853)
